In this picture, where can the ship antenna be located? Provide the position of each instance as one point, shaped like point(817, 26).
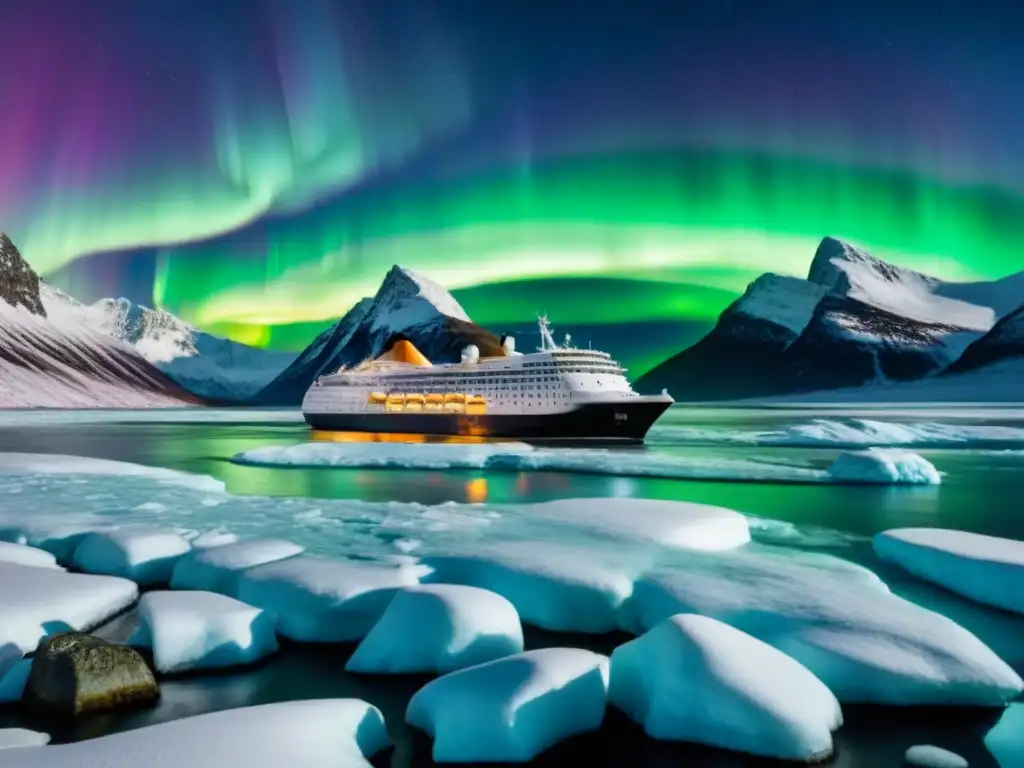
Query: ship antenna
point(546, 340)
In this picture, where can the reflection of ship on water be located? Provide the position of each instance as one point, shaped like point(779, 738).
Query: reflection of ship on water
point(557, 392)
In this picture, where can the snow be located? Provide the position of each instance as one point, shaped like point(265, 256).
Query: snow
point(857, 432)
point(695, 679)
point(439, 628)
point(63, 363)
point(837, 619)
point(849, 271)
point(884, 466)
point(202, 630)
point(927, 756)
point(785, 301)
point(318, 600)
point(987, 569)
point(326, 733)
point(553, 586)
point(206, 365)
point(210, 539)
point(22, 554)
point(13, 680)
point(512, 709)
point(406, 299)
point(38, 602)
point(22, 737)
point(1006, 740)
point(60, 464)
point(216, 569)
point(87, 416)
point(146, 556)
point(521, 457)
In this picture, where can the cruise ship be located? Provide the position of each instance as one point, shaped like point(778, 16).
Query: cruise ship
point(556, 393)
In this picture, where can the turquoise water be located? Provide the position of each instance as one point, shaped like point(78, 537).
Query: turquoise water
point(979, 450)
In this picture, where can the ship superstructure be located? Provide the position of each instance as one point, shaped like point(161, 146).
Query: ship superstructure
point(557, 392)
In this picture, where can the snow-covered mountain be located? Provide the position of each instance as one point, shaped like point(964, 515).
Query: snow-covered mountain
point(854, 320)
point(407, 304)
point(211, 367)
point(49, 358)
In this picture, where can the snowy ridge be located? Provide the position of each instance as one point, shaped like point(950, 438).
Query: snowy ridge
point(207, 366)
point(854, 321)
point(48, 361)
point(406, 304)
point(785, 301)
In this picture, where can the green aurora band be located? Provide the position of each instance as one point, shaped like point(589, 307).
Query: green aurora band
point(676, 235)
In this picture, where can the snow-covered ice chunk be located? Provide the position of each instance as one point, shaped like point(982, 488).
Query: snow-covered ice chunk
point(681, 524)
point(58, 464)
point(38, 602)
point(552, 586)
point(13, 678)
point(10, 738)
point(438, 628)
point(863, 642)
point(329, 601)
point(987, 569)
point(202, 630)
point(1006, 739)
point(512, 709)
point(210, 539)
point(695, 679)
point(22, 554)
point(326, 733)
point(216, 569)
point(884, 466)
point(928, 756)
point(146, 556)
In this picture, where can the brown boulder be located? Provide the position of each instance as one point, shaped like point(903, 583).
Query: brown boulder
point(73, 673)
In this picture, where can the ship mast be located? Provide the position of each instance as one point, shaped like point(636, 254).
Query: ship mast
point(547, 341)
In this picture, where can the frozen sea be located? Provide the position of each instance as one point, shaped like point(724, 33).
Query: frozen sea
point(338, 495)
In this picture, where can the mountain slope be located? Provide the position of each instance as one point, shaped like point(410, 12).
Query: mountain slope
point(854, 320)
point(1004, 344)
point(208, 366)
point(49, 358)
point(407, 304)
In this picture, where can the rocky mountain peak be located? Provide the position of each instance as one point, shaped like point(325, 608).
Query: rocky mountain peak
point(403, 286)
point(19, 284)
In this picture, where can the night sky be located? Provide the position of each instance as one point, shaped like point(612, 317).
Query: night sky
point(256, 166)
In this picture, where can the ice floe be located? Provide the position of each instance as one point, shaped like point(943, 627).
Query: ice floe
point(928, 756)
point(326, 733)
point(1006, 740)
point(22, 554)
point(863, 642)
point(555, 587)
point(987, 569)
point(210, 539)
point(512, 709)
point(884, 466)
point(38, 602)
point(320, 600)
point(146, 556)
point(202, 630)
point(695, 679)
point(519, 457)
point(58, 464)
point(216, 569)
point(855, 432)
point(439, 628)
point(11, 738)
point(36, 417)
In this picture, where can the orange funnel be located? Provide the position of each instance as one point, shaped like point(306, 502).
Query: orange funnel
point(404, 351)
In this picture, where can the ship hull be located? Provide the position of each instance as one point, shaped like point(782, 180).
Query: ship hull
point(614, 421)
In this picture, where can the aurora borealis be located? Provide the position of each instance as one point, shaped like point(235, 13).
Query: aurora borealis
point(256, 166)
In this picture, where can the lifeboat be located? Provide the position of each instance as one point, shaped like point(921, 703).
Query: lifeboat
point(395, 402)
point(454, 397)
point(434, 402)
point(414, 402)
point(454, 407)
point(377, 398)
point(476, 404)
point(435, 398)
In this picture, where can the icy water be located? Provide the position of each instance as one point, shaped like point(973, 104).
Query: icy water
point(979, 450)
